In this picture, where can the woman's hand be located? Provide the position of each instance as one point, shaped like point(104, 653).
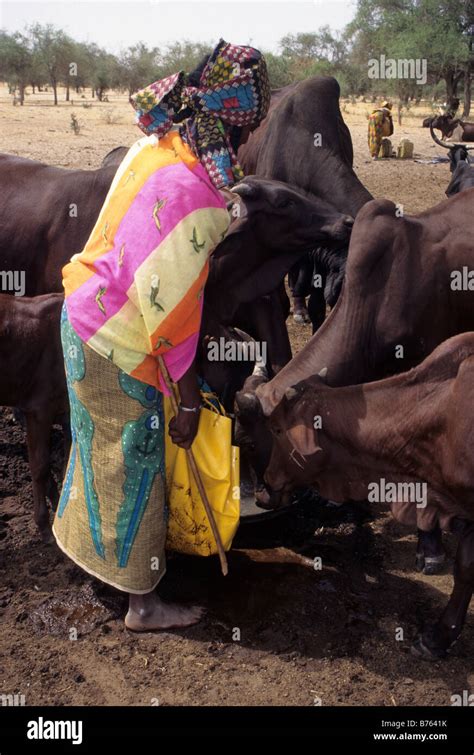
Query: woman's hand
point(183, 428)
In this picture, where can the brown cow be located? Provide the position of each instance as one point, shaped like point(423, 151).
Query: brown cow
point(32, 379)
point(305, 142)
point(396, 306)
point(46, 216)
point(405, 440)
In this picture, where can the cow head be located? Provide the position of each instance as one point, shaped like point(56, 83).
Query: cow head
point(296, 457)
point(273, 225)
point(462, 179)
point(297, 218)
point(444, 123)
point(264, 444)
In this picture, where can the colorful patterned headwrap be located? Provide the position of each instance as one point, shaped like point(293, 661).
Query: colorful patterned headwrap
point(233, 90)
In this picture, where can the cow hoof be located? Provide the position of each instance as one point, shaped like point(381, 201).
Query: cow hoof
point(434, 564)
point(421, 650)
point(430, 565)
point(302, 318)
point(333, 504)
point(46, 534)
point(420, 561)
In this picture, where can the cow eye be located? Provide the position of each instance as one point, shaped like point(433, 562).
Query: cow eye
point(285, 203)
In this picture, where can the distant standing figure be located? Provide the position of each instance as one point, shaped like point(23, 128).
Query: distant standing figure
point(380, 125)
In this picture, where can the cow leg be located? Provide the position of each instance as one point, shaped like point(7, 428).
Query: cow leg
point(430, 555)
point(53, 487)
point(19, 417)
point(317, 308)
point(38, 434)
point(299, 281)
point(53, 491)
point(269, 327)
point(436, 640)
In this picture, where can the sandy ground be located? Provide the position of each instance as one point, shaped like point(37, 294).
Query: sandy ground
point(306, 636)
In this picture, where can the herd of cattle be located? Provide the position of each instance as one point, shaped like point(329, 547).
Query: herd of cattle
point(382, 392)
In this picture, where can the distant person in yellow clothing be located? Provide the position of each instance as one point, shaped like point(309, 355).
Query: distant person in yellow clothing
point(380, 125)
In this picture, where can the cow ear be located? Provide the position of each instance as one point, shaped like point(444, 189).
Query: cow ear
point(294, 392)
point(303, 439)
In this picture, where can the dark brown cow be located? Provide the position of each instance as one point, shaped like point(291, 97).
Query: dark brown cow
point(396, 306)
point(305, 142)
point(32, 379)
point(46, 216)
point(284, 146)
point(397, 292)
point(402, 440)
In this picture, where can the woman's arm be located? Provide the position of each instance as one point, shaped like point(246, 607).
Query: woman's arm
point(183, 428)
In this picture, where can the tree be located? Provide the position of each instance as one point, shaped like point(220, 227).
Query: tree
point(137, 66)
point(38, 73)
point(53, 48)
point(431, 30)
point(182, 56)
point(83, 58)
point(314, 53)
point(468, 71)
point(15, 61)
point(104, 73)
point(279, 70)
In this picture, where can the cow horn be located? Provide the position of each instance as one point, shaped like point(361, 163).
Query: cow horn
point(260, 369)
point(245, 190)
point(439, 141)
point(243, 335)
point(323, 373)
point(291, 393)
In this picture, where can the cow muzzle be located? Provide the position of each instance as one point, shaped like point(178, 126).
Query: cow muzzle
point(271, 499)
point(337, 230)
point(343, 228)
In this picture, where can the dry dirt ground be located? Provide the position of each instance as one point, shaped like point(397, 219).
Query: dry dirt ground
point(277, 631)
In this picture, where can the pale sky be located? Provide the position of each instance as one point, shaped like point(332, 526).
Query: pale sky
point(115, 25)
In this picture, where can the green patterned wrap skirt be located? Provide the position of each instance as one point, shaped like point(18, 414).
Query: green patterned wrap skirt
point(111, 517)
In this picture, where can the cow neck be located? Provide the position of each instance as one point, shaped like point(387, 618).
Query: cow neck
point(383, 429)
point(348, 194)
point(322, 353)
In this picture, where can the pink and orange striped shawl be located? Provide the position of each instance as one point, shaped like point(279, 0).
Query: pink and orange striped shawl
point(136, 290)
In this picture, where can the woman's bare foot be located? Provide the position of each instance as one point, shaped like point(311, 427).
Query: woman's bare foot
point(148, 612)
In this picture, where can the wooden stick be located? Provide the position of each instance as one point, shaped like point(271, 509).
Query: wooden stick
point(195, 470)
